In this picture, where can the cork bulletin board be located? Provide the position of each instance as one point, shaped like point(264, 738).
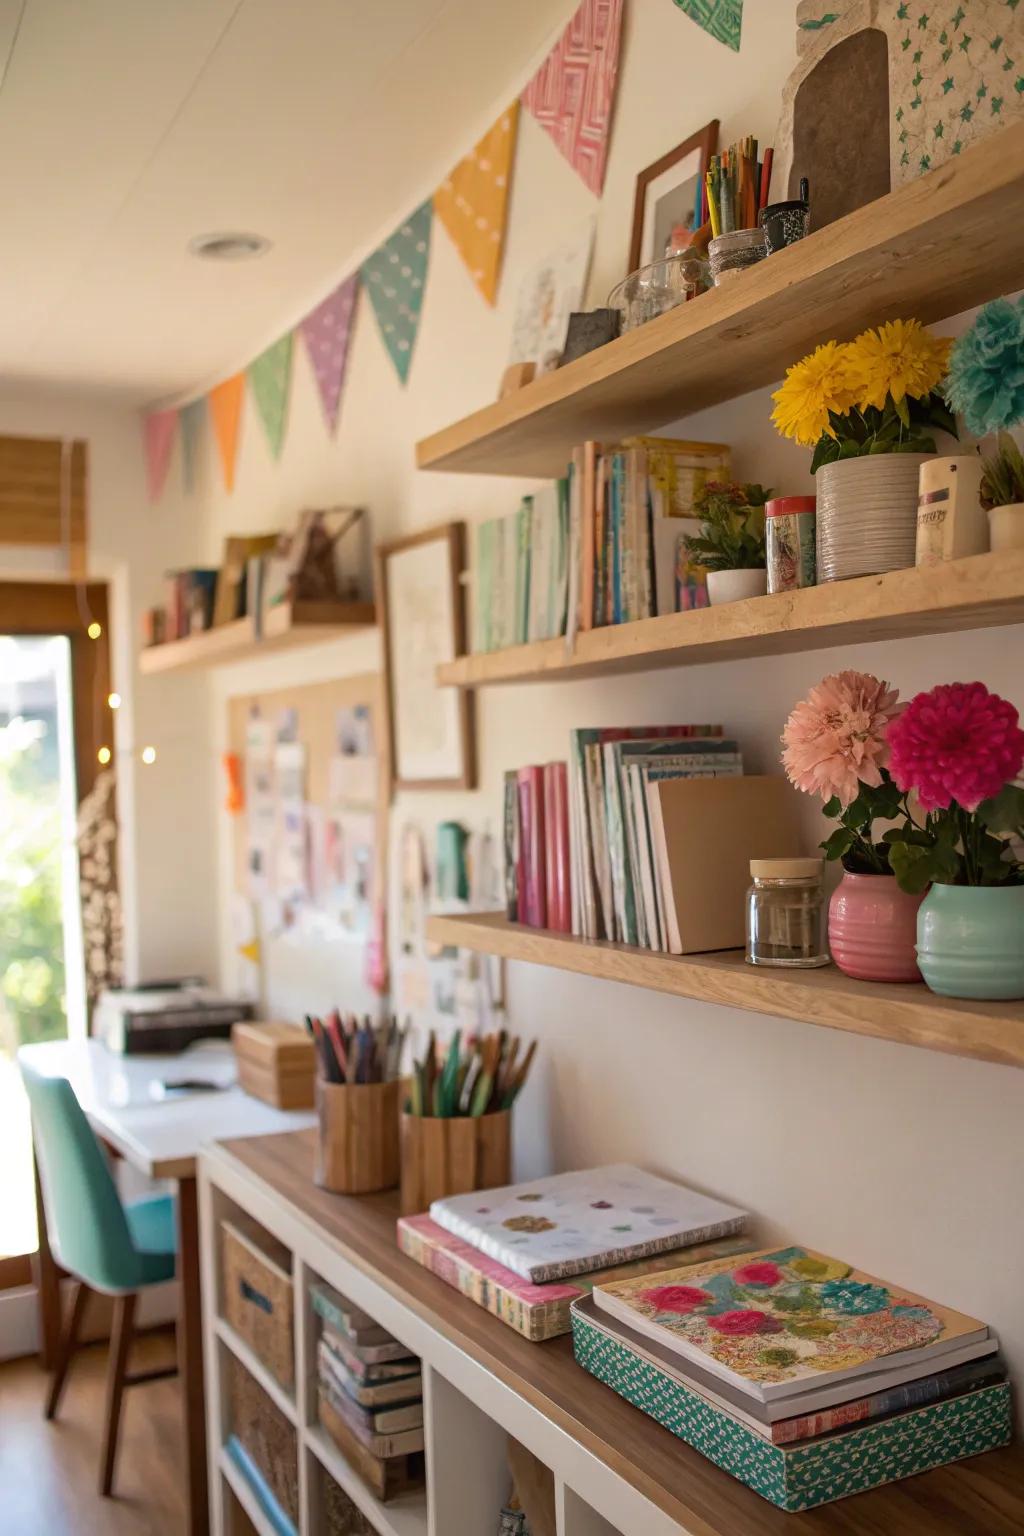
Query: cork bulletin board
point(301, 966)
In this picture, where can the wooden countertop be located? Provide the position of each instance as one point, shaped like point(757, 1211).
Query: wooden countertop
point(983, 1496)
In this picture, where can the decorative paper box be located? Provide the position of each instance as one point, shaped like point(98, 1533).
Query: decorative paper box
point(803, 1476)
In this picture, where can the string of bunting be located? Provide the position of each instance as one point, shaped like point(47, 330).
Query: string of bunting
point(571, 96)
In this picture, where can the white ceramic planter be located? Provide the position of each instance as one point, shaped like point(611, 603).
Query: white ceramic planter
point(1006, 526)
point(867, 515)
point(730, 586)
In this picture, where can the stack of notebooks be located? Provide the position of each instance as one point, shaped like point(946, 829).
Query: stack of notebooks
point(798, 1374)
point(526, 1252)
point(601, 546)
point(370, 1395)
point(619, 878)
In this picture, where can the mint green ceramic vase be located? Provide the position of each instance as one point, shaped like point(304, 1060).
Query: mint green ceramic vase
point(970, 940)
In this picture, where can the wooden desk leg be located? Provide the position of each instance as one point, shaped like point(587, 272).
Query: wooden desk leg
point(46, 1273)
point(190, 1359)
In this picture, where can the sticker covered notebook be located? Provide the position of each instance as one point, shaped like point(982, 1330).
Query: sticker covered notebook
point(571, 1223)
point(783, 1320)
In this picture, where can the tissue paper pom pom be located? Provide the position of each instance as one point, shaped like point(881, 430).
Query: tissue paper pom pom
point(958, 742)
point(835, 739)
point(986, 372)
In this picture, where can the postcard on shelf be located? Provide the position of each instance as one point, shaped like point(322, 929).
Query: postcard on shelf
point(787, 1319)
point(570, 1223)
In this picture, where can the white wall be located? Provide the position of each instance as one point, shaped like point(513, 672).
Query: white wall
point(905, 1162)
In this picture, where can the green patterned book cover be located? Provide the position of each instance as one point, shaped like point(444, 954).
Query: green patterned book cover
point(803, 1476)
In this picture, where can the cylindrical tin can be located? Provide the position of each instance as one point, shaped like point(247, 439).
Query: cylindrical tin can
point(789, 534)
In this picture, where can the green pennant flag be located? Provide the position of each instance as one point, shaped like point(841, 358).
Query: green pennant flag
point(270, 378)
point(721, 18)
point(394, 277)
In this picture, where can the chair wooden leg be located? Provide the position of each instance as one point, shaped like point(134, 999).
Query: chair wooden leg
point(66, 1347)
point(117, 1362)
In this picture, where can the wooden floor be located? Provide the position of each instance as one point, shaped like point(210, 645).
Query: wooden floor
point(48, 1472)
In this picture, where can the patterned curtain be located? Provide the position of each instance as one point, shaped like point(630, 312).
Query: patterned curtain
point(102, 928)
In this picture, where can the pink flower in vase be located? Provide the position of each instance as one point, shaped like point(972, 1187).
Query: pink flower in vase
point(835, 739)
point(957, 742)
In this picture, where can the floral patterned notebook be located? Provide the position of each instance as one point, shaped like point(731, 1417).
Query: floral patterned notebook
point(571, 1223)
point(775, 1322)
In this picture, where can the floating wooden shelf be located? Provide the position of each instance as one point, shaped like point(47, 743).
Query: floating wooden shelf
point(938, 245)
point(285, 626)
point(975, 593)
point(910, 1015)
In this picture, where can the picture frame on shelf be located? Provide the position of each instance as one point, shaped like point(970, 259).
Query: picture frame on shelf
point(666, 194)
point(421, 603)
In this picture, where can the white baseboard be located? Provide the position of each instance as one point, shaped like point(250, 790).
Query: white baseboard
point(19, 1316)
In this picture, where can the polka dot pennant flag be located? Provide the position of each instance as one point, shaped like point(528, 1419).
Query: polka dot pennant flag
point(394, 277)
point(226, 413)
point(472, 202)
point(158, 439)
point(270, 377)
point(573, 92)
point(191, 418)
point(327, 331)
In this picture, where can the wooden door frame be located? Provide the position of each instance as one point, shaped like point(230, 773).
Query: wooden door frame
point(58, 608)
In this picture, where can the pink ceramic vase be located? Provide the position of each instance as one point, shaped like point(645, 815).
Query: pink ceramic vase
point(872, 928)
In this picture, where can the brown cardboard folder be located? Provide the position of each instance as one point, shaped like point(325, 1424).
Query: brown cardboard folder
point(705, 833)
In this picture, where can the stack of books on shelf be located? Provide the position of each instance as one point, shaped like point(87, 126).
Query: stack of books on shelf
point(600, 546)
point(803, 1377)
point(537, 847)
point(539, 1247)
point(370, 1395)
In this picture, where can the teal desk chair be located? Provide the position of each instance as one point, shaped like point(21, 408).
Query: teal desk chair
point(104, 1245)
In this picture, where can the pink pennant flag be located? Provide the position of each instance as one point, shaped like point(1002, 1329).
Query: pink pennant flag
point(158, 440)
point(573, 92)
point(327, 331)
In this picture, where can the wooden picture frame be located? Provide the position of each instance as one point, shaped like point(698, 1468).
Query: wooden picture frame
point(690, 160)
point(431, 731)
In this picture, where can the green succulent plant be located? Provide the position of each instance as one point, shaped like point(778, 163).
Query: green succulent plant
point(1002, 484)
point(732, 527)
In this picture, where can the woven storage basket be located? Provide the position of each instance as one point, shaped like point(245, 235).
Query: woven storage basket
point(259, 1296)
point(343, 1517)
point(267, 1436)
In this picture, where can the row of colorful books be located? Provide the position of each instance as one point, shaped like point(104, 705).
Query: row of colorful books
point(537, 847)
point(370, 1391)
point(600, 546)
point(798, 1374)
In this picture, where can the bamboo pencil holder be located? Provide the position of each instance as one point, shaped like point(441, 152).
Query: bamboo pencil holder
point(357, 1148)
point(453, 1156)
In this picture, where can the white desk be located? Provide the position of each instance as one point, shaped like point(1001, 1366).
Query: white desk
point(162, 1138)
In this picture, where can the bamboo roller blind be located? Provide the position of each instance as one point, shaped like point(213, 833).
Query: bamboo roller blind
point(30, 495)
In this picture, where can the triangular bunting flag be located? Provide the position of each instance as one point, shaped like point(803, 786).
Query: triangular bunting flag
point(158, 437)
point(723, 19)
point(573, 92)
point(473, 201)
point(327, 331)
point(226, 410)
point(394, 277)
point(191, 418)
point(270, 376)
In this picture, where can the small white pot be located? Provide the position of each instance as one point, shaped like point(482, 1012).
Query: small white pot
point(729, 586)
point(1005, 529)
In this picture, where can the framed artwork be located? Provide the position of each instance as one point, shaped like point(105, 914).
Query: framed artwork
point(421, 605)
point(666, 195)
point(548, 295)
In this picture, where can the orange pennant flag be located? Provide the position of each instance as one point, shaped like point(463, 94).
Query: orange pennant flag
point(225, 412)
point(472, 203)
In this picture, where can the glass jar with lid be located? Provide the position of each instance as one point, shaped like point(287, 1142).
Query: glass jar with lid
point(786, 913)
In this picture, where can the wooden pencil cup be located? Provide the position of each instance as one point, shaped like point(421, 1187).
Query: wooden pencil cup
point(453, 1156)
point(357, 1148)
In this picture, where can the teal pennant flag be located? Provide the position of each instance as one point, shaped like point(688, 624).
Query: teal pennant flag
point(721, 18)
point(270, 377)
point(394, 277)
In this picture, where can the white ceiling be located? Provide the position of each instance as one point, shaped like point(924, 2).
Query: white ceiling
point(129, 126)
